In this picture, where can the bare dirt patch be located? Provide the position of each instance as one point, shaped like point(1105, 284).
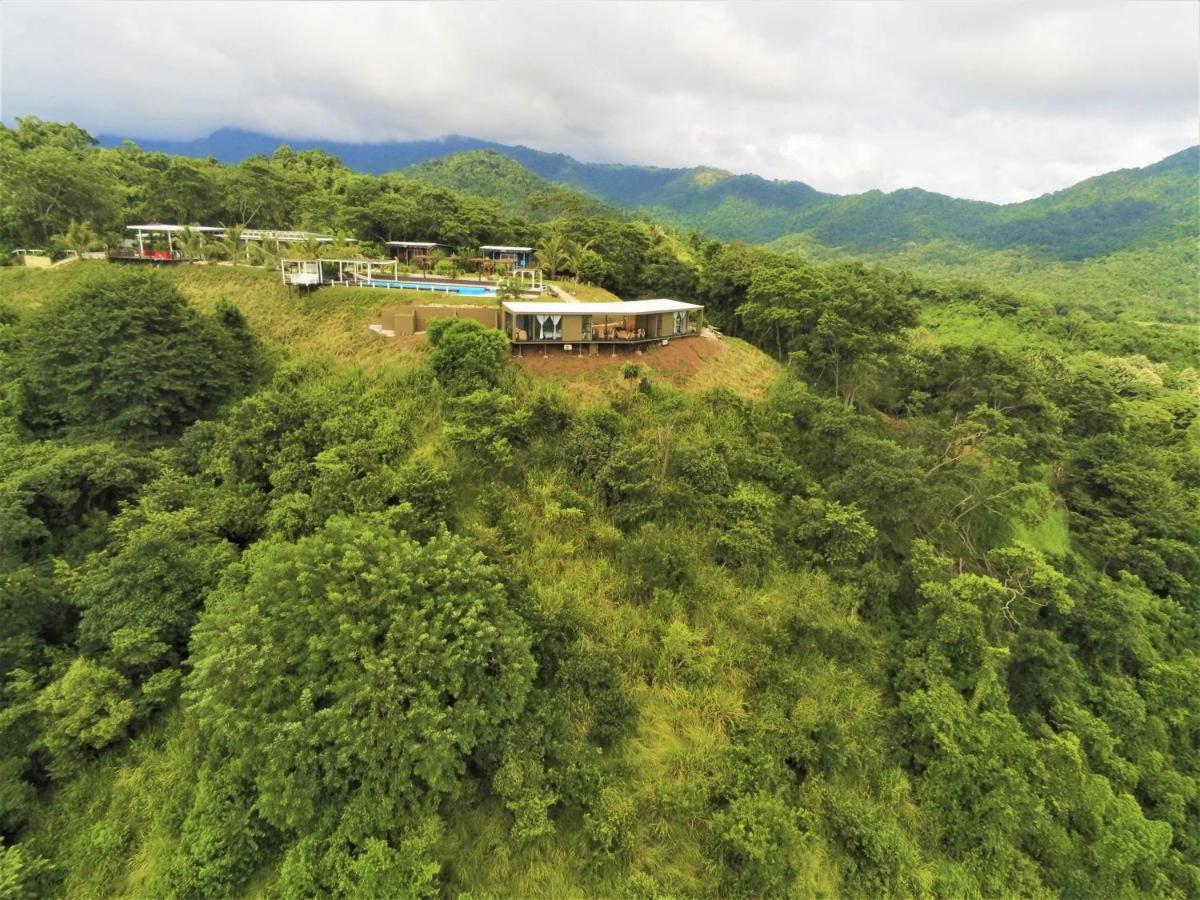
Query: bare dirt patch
point(693, 363)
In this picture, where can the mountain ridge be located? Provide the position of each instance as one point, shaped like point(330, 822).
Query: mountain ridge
point(1100, 215)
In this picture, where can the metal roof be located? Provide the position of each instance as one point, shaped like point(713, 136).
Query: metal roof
point(160, 228)
point(620, 308)
point(495, 247)
point(413, 244)
point(260, 234)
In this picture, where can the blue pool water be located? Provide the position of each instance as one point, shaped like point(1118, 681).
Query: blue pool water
point(469, 289)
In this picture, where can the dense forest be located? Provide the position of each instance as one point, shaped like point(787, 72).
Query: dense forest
point(915, 615)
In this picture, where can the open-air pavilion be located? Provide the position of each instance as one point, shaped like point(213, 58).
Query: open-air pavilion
point(150, 238)
point(156, 233)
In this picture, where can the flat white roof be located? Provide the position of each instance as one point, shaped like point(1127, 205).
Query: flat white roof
point(164, 229)
point(412, 244)
point(620, 308)
point(495, 247)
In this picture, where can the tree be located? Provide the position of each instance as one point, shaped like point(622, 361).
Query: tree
point(124, 355)
point(489, 424)
point(232, 246)
point(80, 238)
point(154, 576)
point(192, 243)
point(553, 252)
point(84, 711)
point(466, 355)
point(349, 676)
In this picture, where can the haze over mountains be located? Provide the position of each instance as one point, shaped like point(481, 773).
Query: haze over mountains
point(1119, 211)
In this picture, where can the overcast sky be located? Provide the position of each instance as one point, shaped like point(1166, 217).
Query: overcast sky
point(998, 102)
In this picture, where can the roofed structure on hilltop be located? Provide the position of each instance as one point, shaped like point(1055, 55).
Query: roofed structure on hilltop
point(621, 322)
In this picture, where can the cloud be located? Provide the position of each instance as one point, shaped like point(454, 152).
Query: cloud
point(992, 101)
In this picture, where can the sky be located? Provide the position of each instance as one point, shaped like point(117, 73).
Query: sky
point(997, 102)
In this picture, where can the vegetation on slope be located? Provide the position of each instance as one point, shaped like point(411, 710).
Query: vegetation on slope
point(1102, 215)
point(486, 173)
point(920, 618)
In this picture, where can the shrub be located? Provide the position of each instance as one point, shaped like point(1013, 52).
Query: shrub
point(125, 355)
point(84, 711)
point(757, 839)
point(356, 669)
point(466, 355)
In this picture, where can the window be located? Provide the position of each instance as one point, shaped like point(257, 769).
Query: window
point(681, 321)
point(548, 328)
point(586, 328)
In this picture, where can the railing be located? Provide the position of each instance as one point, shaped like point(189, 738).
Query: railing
point(147, 255)
point(600, 336)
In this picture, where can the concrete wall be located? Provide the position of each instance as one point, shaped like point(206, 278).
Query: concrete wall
point(492, 317)
point(409, 320)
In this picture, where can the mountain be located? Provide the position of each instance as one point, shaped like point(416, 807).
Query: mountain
point(487, 173)
point(232, 145)
point(1115, 212)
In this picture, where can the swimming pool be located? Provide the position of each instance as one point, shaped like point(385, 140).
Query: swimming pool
point(472, 290)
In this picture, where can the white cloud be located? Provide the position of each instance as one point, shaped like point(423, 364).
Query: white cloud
point(994, 101)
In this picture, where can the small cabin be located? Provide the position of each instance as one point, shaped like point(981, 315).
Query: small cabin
point(511, 257)
point(413, 252)
point(628, 322)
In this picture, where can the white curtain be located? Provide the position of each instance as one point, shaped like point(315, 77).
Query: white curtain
point(549, 328)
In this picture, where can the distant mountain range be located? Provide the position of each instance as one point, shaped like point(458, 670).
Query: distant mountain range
point(1119, 211)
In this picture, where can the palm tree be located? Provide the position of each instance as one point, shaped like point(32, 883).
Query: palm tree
point(191, 242)
point(80, 237)
point(232, 242)
point(577, 256)
point(309, 248)
point(552, 253)
point(336, 248)
point(263, 253)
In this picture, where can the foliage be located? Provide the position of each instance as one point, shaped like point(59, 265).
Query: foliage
point(918, 620)
point(125, 355)
point(467, 356)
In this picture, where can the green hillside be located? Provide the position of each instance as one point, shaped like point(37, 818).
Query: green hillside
point(1131, 214)
point(486, 173)
point(1126, 238)
point(890, 589)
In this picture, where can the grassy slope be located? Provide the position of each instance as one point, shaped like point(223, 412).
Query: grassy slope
point(111, 822)
point(113, 826)
point(333, 324)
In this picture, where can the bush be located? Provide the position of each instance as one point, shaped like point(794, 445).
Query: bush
point(758, 839)
point(466, 355)
point(24, 875)
point(125, 355)
point(84, 711)
point(488, 424)
point(354, 672)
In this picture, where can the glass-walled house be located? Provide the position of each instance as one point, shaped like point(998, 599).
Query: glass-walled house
point(633, 321)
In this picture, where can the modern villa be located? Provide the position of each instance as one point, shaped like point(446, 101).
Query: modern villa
point(622, 322)
point(572, 326)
